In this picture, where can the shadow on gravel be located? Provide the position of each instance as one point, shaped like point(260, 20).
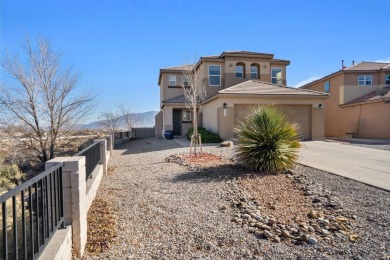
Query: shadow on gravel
point(213, 174)
point(147, 145)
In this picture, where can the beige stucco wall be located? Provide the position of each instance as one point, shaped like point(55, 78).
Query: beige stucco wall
point(351, 92)
point(374, 118)
point(169, 92)
point(158, 124)
point(212, 109)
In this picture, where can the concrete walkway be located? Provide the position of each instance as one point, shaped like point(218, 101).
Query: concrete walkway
point(366, 165)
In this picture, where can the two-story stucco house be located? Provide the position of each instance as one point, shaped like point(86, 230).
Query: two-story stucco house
point(235, 81)
point(359, 103)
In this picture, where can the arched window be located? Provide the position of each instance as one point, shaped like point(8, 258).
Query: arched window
point(240, 70)
point(255, 71)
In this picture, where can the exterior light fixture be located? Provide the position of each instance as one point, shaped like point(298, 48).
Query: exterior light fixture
point(224, 109)
point(320, 106)
point(224, 105)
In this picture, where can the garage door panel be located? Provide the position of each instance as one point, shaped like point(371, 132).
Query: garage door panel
point(299, 114)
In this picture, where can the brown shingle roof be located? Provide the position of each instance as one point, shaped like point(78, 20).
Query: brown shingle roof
point(257, 87)
point(180, 68)
point(179, 99)
point(367, 66)
point(370, 97)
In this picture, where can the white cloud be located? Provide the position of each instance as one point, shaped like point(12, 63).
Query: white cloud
point(308, 80)
point(386, 60)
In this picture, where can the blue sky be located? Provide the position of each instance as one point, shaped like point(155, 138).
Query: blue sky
point(119, 46)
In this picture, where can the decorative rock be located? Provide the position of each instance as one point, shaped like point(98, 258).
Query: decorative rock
point(312, 241)
point(223, 208)
point(265, 227)
point(286, 234)
point(313, 214)
point(276, 239)
point(268, 234)
point(304, 238)
point(226, 144)
point(272, 221)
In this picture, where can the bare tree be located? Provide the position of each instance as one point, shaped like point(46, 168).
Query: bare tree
point(41, 106)
point(110, 121)
point(195, 94)
point(129, 118)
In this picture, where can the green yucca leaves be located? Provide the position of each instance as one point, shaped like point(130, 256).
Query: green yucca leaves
point(268, 141)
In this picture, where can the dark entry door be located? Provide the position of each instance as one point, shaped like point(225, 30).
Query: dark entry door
point(177, 122)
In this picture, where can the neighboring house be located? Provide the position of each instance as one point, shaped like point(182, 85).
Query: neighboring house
point(359, 103)
point(235, 81)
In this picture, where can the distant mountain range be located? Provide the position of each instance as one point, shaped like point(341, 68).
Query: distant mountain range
point(145, 119)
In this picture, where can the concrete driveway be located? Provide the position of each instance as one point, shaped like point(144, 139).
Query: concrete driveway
point(370, 166)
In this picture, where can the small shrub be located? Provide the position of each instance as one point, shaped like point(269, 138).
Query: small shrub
point(268, 141)
point(207, 136)
point(10, 176)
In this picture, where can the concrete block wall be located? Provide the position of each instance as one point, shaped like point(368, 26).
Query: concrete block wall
point(78, 197)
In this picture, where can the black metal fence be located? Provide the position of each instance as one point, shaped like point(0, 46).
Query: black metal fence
point(92, 158)
point(31, 213)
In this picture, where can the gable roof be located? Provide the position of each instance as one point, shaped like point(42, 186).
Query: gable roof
point(370, 97)
point(179, 68)
point(178, 99)
point(364, 65)
point(257, 87)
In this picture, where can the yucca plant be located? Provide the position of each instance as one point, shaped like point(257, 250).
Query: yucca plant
point(268, 141)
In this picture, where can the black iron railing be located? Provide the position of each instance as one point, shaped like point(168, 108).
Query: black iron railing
point(92, 158)
point(31, 213)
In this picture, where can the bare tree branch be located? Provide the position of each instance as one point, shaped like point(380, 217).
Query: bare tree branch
point(41, 106)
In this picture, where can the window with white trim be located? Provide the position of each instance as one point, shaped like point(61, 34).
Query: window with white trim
point(214, 75)
point(327, 86)
point(186, 115)
point(387, 79)
point(172, 80)
point(186, 81)
point(254, 71)
point(276, 74)
point(364, 80)
point(239, 71)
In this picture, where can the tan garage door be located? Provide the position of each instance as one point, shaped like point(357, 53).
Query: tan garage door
point(300, 114)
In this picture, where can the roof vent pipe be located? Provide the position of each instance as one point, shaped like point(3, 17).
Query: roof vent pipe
point(353, 62)
point(342, 64)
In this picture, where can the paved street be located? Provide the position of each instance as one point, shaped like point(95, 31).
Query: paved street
point(366, 165)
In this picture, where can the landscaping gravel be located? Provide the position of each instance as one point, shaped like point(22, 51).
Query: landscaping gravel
point(167, 211)
point(379, 146)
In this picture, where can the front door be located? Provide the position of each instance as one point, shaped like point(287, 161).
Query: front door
point(176, 122)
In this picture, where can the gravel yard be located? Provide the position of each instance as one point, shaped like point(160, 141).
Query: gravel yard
point(165, 210)
point(379, 146)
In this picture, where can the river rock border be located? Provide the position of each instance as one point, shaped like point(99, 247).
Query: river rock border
point(328, 222)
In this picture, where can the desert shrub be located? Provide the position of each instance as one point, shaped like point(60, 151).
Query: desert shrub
point(268, 141)
point(10, 176)
point(207, 136)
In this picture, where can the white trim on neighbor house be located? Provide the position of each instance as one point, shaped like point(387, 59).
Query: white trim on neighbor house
point(172, 80)
point(327, 86)
point(212, 65)
point(387, 79)
point(277, 79)
point(365, 80)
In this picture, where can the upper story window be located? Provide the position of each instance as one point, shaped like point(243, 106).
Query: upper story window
point(276, 76)
point(254, 71)
point(172, 80)
point(240, 70)
point(387, 79)
point(215, 75)
point(327, 86)
point(186, 81)
point(364, 80)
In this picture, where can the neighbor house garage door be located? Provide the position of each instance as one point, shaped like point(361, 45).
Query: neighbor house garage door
point(300, 114)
